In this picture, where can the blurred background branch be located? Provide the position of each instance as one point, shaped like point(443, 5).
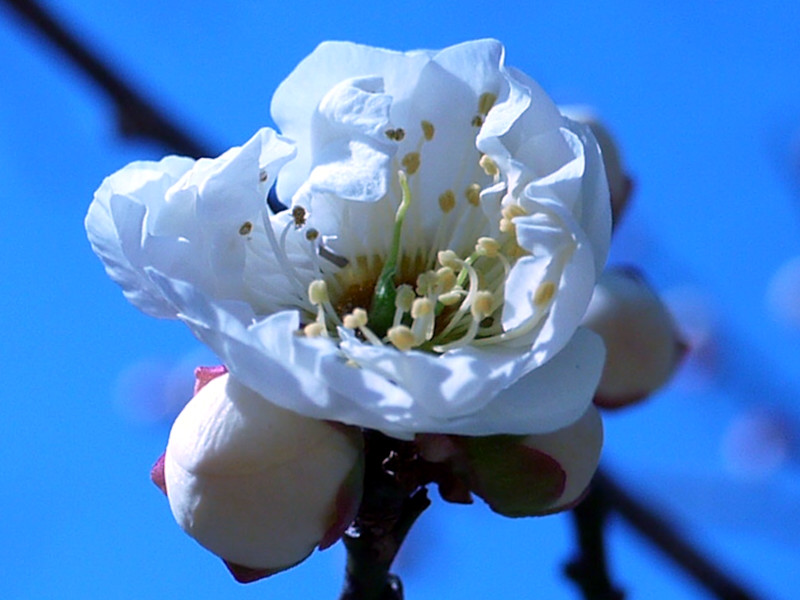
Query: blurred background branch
point(137, 117)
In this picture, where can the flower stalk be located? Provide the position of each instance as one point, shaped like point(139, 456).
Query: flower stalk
point(394, 498)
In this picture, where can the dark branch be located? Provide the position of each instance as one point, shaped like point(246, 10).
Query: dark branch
point(589, 569)
point(663, 535)
point(136, 116)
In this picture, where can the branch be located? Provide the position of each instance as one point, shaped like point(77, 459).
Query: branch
point(608, 495)
point(136, 116)
point(394, 497)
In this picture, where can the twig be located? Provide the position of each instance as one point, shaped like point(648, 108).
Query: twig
point(393, 500)
point(136, 116)
point(589, 569)
point(662, 534)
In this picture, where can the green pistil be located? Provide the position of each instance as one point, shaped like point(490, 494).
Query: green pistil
point(382, 308)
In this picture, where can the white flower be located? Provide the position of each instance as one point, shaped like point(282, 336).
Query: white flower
point(258, 485)
point(445, 230)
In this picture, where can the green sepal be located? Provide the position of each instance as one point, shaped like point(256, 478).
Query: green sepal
point(513, 479)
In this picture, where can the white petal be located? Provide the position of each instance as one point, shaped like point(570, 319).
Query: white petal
point(115, 221)
point(299, 95)
point(548, 398)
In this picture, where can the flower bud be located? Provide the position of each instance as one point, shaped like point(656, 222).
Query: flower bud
point(258, 485)
point(643, 346)
point(519, 476)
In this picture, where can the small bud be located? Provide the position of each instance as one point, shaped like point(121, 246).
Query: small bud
point(643, 346)
point(522, 476)
point(258, 485)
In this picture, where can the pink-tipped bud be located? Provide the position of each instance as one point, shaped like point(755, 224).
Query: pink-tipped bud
point(258, 485)
point(576, 448)
point(522, 476)
point(643, 346)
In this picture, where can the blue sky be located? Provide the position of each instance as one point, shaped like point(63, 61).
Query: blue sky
point(704, 98)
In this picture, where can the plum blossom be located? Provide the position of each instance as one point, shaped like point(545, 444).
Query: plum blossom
point(446, 225)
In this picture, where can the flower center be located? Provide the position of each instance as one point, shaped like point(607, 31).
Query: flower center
point(411, 305)
point(429, 291)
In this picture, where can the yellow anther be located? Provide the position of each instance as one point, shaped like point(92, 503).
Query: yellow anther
point(312, 234)
point(263, 175)
point(448, 258)
point(447, 201)
point(445, 279)
point(544, 293)
point(402, 337)
point(356, 319)
point(477, 121)
point(395, 134)
point(452, 297)
point(513, 210)
point(410, 162)
point(487, 246)
point(405, 297)
point(482, 305)
point(314, 329)
point(486, 102)
point(427, 130)
point(318, 292)
point(425, 281)
point(488, 165)
point(299, 216)
point(473, 194)
point(509, 212)
point(246, 228)
point(422, 307)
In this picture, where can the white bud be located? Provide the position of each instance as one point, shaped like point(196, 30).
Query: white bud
point(643, 346)
point(576, 448)
point(258, 485)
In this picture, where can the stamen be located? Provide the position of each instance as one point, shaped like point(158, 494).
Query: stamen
point(246, 228)
point(395, 134)
point(483, 305)
point(405, 297)
point(299, 216)
point(477, 121)
point(422, 307)
point(402, 337)
point(411, 162)
point(403, 301)
point(450, 298)
point(282, 260)
point(486, 102)
point(423, 311)
point(488, 247)
point(473, 194)
point(445, 280)
point(318, 292)
point(447, 201)
point(427, 130)
point(544, 293)
point(356, 319)
point(314, 329)
point(448, 258)
point(489, 166)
